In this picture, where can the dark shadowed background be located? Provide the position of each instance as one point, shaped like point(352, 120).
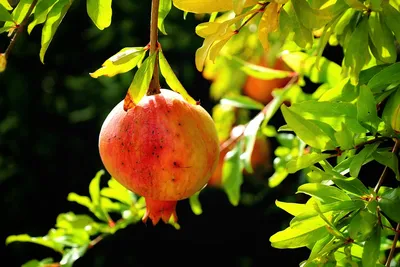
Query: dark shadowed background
point(50, 118)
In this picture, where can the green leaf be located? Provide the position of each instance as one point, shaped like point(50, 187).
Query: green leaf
point(142, 78)
point(292, 208)
point(382, 38)
point(300, 235)
point(73, 255)
point(385, 77)
point(232, 177)
point(324, 71)
point(309, 17)
point(40, 13)
point(318, 247)
point(391, 16)
point(19, 13)
point(241, 101)
point(172, 80)
point(344, 137)
point(359, 159)
point(4, 14)
point(100, 12)
point(163, 10)
point(351, 185)
point(388, 159)
point(306, 130)
point(362, 225)
point(324, 193)
point(118, 192)
point(305, 161)
point(250, 136)
point(195, 204)
point(72, 221)
point(302, 36)
point(123, 61)
point(35, 263)
point(371, 250)
point(50, 27)
point(366, 110)
point(258, 71)
point(81, 200)
point(44, 241)
point(277, 177)
point(5, 4)
point(389, 202)
point(356, 50)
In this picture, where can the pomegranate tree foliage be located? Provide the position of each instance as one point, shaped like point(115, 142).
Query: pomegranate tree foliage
point(330, 135)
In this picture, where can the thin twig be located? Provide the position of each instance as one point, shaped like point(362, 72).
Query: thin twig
point(20, 29)
point(154, 87)
point(386, 169)
point(391, 253)
point(263, 6)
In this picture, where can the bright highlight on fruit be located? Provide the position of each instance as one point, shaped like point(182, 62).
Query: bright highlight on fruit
point(3, 62)
point(163, 149)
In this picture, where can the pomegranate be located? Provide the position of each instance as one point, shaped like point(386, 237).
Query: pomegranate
point(163, 149)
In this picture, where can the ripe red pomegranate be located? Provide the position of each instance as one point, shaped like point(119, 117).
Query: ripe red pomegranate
point(163, 149)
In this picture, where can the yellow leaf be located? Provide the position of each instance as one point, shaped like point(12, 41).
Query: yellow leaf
point(207, 28)
point(269, 23)
point(208, 6)
point(218, 45)
point(6, 4)
point(121, 62)
point(216, 32)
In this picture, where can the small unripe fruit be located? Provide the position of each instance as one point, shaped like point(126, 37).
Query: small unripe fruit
point(3, 62)
point(163, 149)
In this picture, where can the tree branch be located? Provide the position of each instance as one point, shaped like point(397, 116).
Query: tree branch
point(20, 29)
point(386, 169)
point(391, 253)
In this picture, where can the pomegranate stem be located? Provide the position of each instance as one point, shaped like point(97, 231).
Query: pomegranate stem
point(154, 87)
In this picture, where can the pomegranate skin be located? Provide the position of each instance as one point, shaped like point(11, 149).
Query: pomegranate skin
point(163, 149)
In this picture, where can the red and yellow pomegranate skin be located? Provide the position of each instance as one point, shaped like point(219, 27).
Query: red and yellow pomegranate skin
point(163, 149)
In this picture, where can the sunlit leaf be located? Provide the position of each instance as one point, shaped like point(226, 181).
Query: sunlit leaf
point(276, 179)
point(163, 10)
point(250, 135)
point(306, 130)
point(3, 62)
point(326, 194)
point(142, 78)
point(44, 241)
point(257, 71)
point(302, 36)
point(100, 12)
point(238, 6)
point(268, 24)
point(123, 61)
point(325, 72)
point(344, 137)
point(241, 101)
point(19, 13)
point(50, 27)
point(298, 236)
point(172, 80)
point(5, 4)
point(292, 208)
point(391, 16)
point(366, 110)
point(208, 6)
point(35, 263)
point(81, 200)
point(40, 13)
point(305, 161)
point(360, 158)
point(72, 221)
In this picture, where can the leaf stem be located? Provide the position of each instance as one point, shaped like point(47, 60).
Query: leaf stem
point(20, 28)
point(154, 87)
point(391, 253)
point(386, 169)
point(263, 6)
